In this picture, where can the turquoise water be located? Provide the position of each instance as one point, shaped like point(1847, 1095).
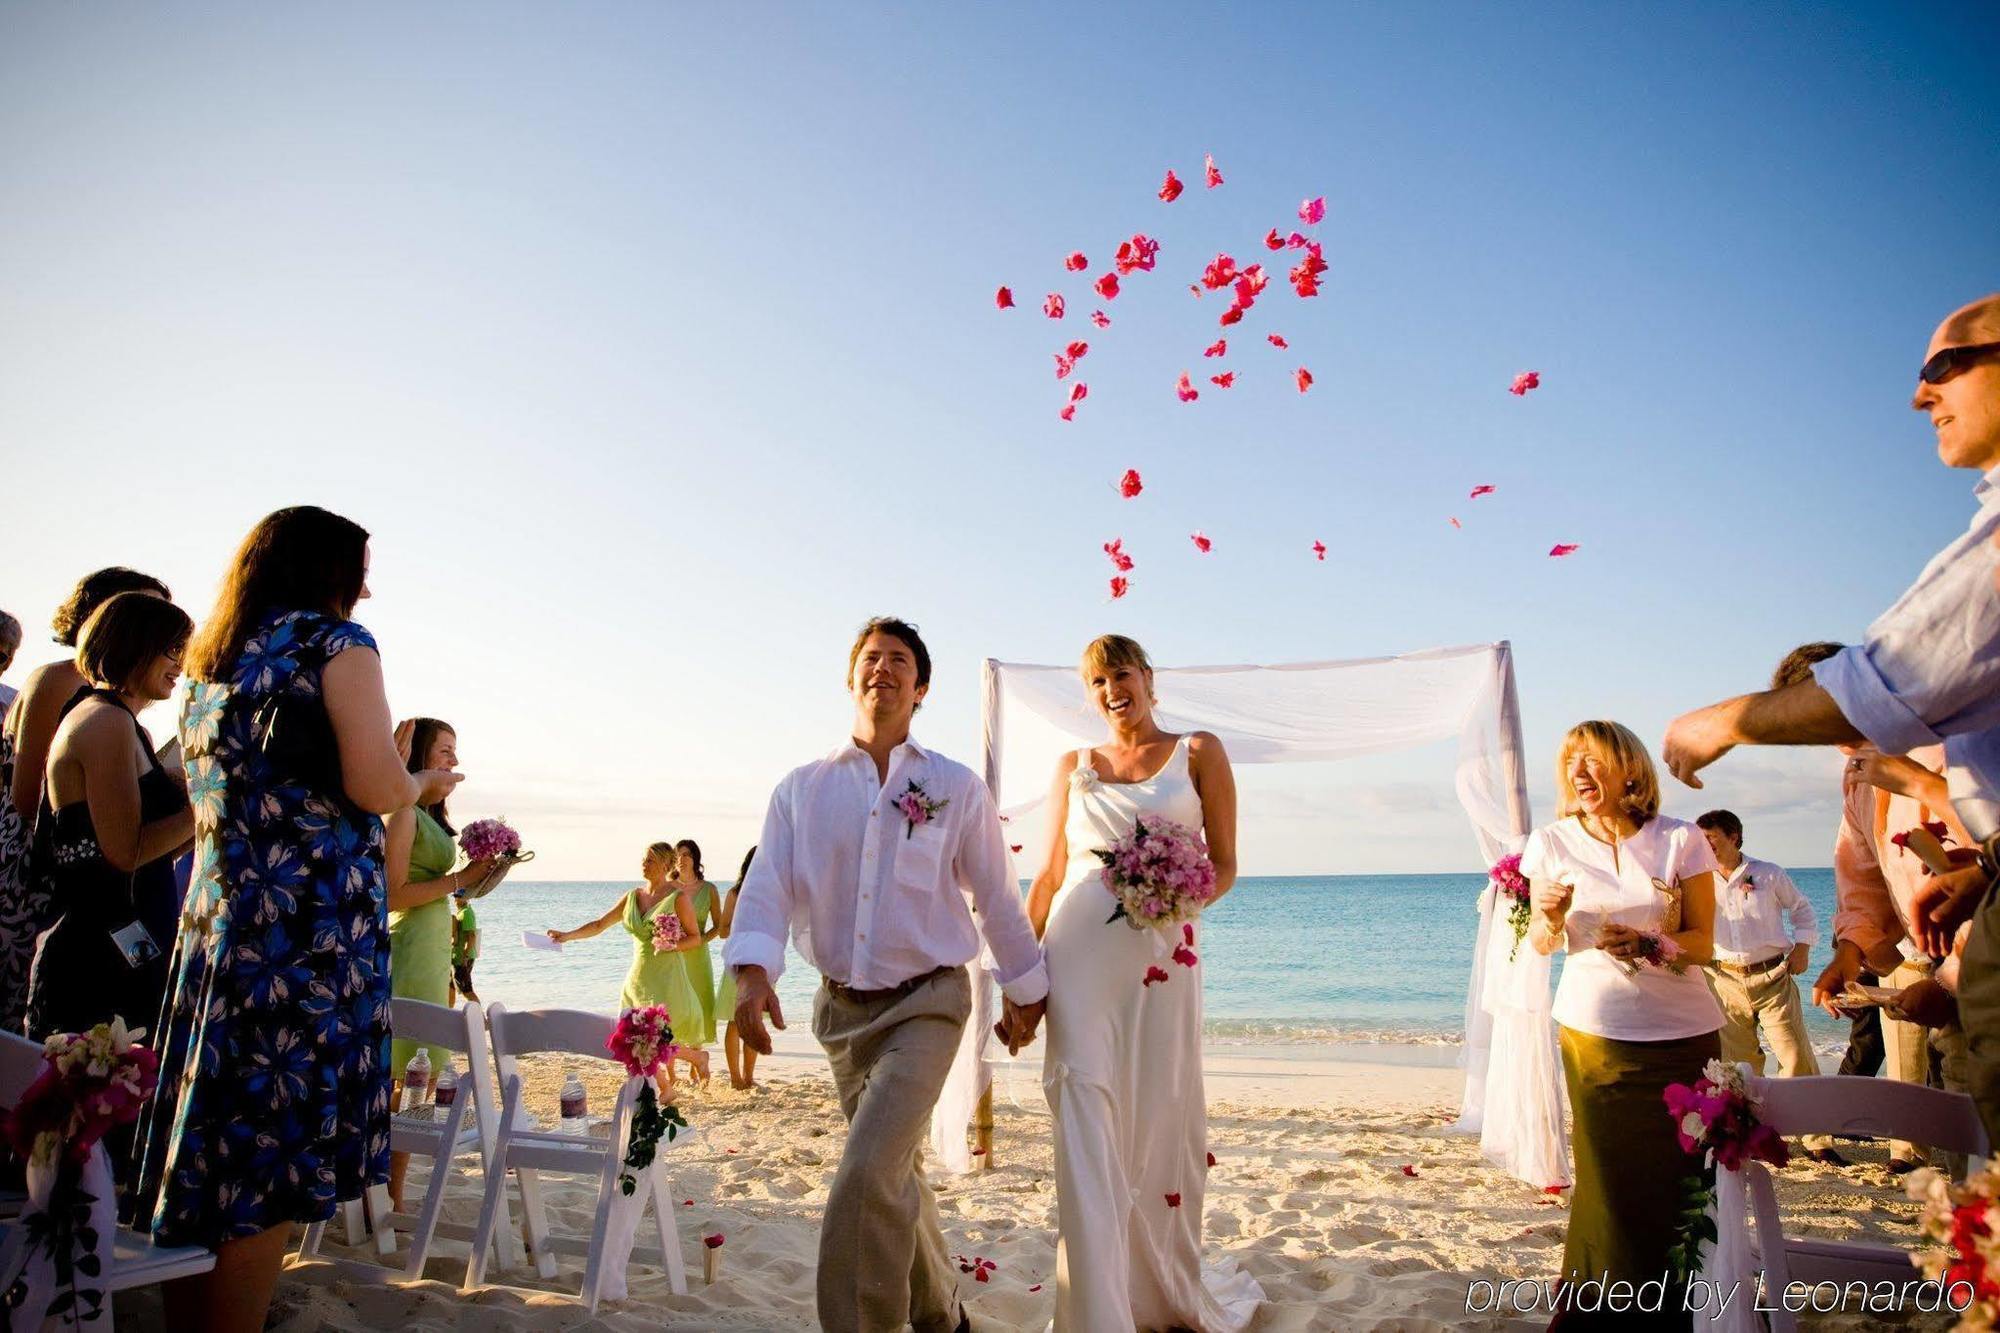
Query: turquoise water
point(1309, 958)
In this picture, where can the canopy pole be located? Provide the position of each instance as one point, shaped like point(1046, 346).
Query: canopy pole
point(1513, 766)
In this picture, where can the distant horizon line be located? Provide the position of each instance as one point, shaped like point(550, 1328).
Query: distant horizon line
point(1395, 874)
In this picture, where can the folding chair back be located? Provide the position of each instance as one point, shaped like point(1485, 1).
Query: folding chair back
point(20, 1065)
point(529, 1150)
point(1831, 1104)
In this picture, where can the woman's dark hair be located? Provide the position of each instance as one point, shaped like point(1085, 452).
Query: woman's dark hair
point(693, 848)
point(423, 733)
point(93, 591)
point(744, 870)
point(298, 559)
point(125, 634)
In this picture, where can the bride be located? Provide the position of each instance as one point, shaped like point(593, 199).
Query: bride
point(1123, 1068)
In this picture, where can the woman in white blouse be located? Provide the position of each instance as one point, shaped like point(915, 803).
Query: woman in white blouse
point(1610, 879)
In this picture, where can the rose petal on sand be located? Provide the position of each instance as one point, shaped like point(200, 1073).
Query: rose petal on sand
point(1409, 1171)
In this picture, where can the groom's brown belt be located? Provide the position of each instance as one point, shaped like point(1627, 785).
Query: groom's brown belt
point(1750, 969)
point(895, 992)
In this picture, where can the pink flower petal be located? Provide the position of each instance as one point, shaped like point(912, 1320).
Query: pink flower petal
point(1456, 524)
point(1304, 378)
point(1208, 171)
point(1173, 1201)
point(1478, 491)
point(1319, 549)
point(1068, 413)
point(1004, 298)
point(1129, 485)
point(1201, 543)
point(1064, 365)
point(1526, 380)
point(1276, 340)
point(1107, 286)
point(1076, 351)
point(1273, 241)
point(1076, 263)
point(1562, 548)
point(1185, 388)
point(1079, 391)
point(1225, 380)
point(1313, 211)
point(1120, 585)
point(1100, 319)
point(1171, 189)
point(1053, 307)
point(1220, 347)
point(1409, 1171)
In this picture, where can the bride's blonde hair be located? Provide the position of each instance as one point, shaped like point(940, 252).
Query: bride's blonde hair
point(1106, 653)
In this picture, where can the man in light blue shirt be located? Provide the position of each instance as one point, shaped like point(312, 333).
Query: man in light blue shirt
point(1928, 672)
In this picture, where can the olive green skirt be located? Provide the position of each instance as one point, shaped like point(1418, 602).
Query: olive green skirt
point(1631, 1175)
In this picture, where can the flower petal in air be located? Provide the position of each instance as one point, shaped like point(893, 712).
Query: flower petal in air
point(1478, 491)
point(1100, 319)
point(1220, 347)
point(1068, 413)
point(1226, 380)
point(1079, 391)
point(1526, 380)
point(1004, 298)
point(1313, 211)
point(1076, 350)
point(1185, 388)
point(1201, 542)
point(1456, 524)
point(1563, 548)
point(1221, 271)
point(1233, 315)
point(1273, 241)
point(1064, 365)
point(1053, 307)
point(1304, 378)
point(1171, 189)
point(1120, 585)
point(1107, 286)
point(1209, 172)
point(1319, 549)
point(1076, 263)
point(1276, 340)
point(1129, 485)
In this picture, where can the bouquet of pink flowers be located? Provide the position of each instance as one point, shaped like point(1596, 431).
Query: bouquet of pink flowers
point(1658, 953)
point(1964, 1221)
point(1717, 1118)
point(1513, 886)
point(92, 1082)
point(489, 837)
point(667, 932)
point(643, 1042)
point(1159, 873)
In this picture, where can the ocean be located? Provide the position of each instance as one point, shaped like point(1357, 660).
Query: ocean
point(1339, 959)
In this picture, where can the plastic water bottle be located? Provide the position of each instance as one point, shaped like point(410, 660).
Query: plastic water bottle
point(416, 1079)
point(447, 1084)
point(574, 1105)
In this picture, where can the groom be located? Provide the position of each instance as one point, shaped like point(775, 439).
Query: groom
point(866, 861)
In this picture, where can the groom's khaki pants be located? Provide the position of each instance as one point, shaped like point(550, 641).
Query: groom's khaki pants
point(882, 1259)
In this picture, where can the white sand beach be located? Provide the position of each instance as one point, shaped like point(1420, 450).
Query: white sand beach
point(1309, 1193)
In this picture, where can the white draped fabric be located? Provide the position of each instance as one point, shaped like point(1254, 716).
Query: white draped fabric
point(1305, 712)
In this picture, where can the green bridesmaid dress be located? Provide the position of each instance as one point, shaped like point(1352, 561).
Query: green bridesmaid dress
point(420, 939)
point(701, 966)
point(664, 978)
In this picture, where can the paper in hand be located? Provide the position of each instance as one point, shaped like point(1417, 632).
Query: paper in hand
point(543, 942)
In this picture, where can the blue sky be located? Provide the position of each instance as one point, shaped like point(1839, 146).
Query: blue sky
point(656, 345)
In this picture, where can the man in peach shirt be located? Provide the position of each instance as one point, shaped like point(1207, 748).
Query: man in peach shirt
point(1878, 880)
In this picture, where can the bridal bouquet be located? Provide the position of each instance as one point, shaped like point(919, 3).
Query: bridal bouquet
point(642, 1042)
point(1159, 873)
point(1657, 953)
point(1963, 1220)
point(91, 1083)
point(1513, 886)
point(667, 932)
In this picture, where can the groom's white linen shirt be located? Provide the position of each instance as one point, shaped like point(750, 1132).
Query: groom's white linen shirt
point(872, 902)
point(1752, 924)
point(1930, 666)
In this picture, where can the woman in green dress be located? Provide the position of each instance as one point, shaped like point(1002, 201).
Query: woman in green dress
point(660, 976)
point(741, 1055)
point(707, 899)
point(420, 850)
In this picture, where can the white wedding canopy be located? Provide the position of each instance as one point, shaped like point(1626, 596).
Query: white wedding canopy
point(1272, 715)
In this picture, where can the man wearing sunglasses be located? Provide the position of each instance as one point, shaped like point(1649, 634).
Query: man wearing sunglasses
point(1928, 672)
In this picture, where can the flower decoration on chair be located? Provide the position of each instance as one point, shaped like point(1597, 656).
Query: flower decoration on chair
point(643, 1041)
point(1512, 885)
point(91, 1083)
point(1965, 1223)
point(1719, 1119)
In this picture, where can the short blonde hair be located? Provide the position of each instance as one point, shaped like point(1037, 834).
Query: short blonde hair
point(1613, 745)
point(1108, 652)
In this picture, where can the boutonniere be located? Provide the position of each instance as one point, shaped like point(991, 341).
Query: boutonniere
point(1749, 883)
point(918, 808)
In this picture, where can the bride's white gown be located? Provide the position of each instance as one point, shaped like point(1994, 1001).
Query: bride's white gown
point(1123, 1077)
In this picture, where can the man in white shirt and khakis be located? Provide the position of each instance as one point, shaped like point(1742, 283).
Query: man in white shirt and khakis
point(1764, 933)
point(867, 860)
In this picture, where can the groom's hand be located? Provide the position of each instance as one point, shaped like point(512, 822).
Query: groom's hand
point(1019, 1022)
point(754, 997)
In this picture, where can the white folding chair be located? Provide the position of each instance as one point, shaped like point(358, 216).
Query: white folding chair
point(1831, 1104)
point(135, 1261)
point(470, 1124)
point(528, 1151)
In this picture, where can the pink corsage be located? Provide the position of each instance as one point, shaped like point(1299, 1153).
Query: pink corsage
point(918, 808)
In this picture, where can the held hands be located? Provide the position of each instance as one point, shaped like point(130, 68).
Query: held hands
point(1018, 1023)
point(754, 998)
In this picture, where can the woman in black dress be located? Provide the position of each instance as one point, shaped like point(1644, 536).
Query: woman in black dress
point(111, 821)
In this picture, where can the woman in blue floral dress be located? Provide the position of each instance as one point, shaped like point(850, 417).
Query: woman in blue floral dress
point(274, 1080)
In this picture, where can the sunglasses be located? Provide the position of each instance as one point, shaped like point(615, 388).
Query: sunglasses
point(1951, 360)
